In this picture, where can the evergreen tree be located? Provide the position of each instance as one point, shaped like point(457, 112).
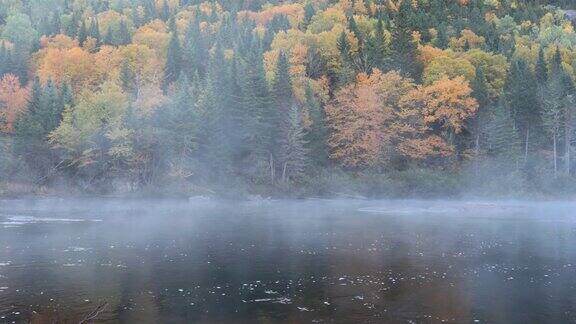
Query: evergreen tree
point(293, 154)
point(29, 124)
point(521, 93)
point(173, 61)
point(179, 128)
point(480, 120)
point(309, 12)
point(317, 134)
point(109, 37)
point(376, 48)
point(503, 138)
point(126, 77)
point(136, 19)
point(4, 59)
point(124, 34)
point(541, 69)
point(82, 33)
point(94, 31)
point(557, 62)
point(404, 48)
point(257, 104)
point(56, 23)
point(346, 72)
point(553, 111)
point(165, 15)
point(282, 85)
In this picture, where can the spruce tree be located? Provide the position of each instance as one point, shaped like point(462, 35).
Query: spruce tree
point(94, 31)
point(503, 138)
point(173, 61)
point(257, 104)
point(541, 69)
point(109, 37)
point(124, 37)
point(82, 33)
point(165, 13)
point(293, 155)
point(480, 120)
point(404, 48)
point(346, 72)
point(317, 134)
point(521, 93)
point(309, 12)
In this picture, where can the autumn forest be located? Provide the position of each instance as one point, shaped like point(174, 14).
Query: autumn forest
point(302, 98)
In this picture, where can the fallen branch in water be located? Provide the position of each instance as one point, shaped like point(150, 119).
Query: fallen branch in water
point(94, 313)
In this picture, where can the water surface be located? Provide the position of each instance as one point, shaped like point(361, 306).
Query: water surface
point(316, 261)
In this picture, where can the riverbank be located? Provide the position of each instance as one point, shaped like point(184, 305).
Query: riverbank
point(411, 184)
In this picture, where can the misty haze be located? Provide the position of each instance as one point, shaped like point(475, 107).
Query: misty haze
point(320, 261)
point(287, 161)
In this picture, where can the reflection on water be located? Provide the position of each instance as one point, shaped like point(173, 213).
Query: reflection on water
point(288, 262)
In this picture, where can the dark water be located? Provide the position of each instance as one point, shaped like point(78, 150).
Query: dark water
point(287, 262)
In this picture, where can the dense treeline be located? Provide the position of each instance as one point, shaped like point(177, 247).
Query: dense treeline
point(388, 97)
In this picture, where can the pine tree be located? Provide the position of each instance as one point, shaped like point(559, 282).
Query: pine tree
point(52, 107)
point(503, 138)
point(282, 85)
point(28, 125)
point(56, 23)
point(557, 62)
point(3, 59)
point(126, 77)
point(66, 95)
point(82, 33)
point(31, 129)
point(165, 11)
point(124, 36)
point(173, 61)
point(441, 40)
point(18, 59)
point(541, 69)
point(136, 19)
point(179, 128)
point(95, 31)
point(109, 37)
point(309, 12)
point(149, 11)
point(293, 153)
point(257, 103)
point(318, 133)
point(521, 93)
point(404, 48)
point(480, 120)
point(376, 48)
point(346, 72)
point(552, 96)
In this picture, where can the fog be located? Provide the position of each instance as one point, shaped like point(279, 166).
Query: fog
point(261, 260)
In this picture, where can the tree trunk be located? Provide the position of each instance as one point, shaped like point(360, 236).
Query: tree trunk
point(284, 171)
point(555, 156)
point(526, 147)
point(272, 170)
point(567, 140)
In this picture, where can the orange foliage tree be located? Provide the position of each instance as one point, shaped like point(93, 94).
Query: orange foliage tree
point(294, 11)
point(438, 112)
point(13, 100)
point(359, 117)
point(75, 65)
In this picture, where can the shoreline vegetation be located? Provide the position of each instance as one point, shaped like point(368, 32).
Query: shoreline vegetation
point(400, 186)
point(303, 98)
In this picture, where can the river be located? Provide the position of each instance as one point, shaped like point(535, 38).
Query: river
point(264, 261)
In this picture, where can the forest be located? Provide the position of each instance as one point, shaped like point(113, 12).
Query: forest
point(300, 98)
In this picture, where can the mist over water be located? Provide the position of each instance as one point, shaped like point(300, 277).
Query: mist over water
point(356, 261)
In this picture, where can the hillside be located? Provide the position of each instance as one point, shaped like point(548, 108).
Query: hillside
point(397, 98)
